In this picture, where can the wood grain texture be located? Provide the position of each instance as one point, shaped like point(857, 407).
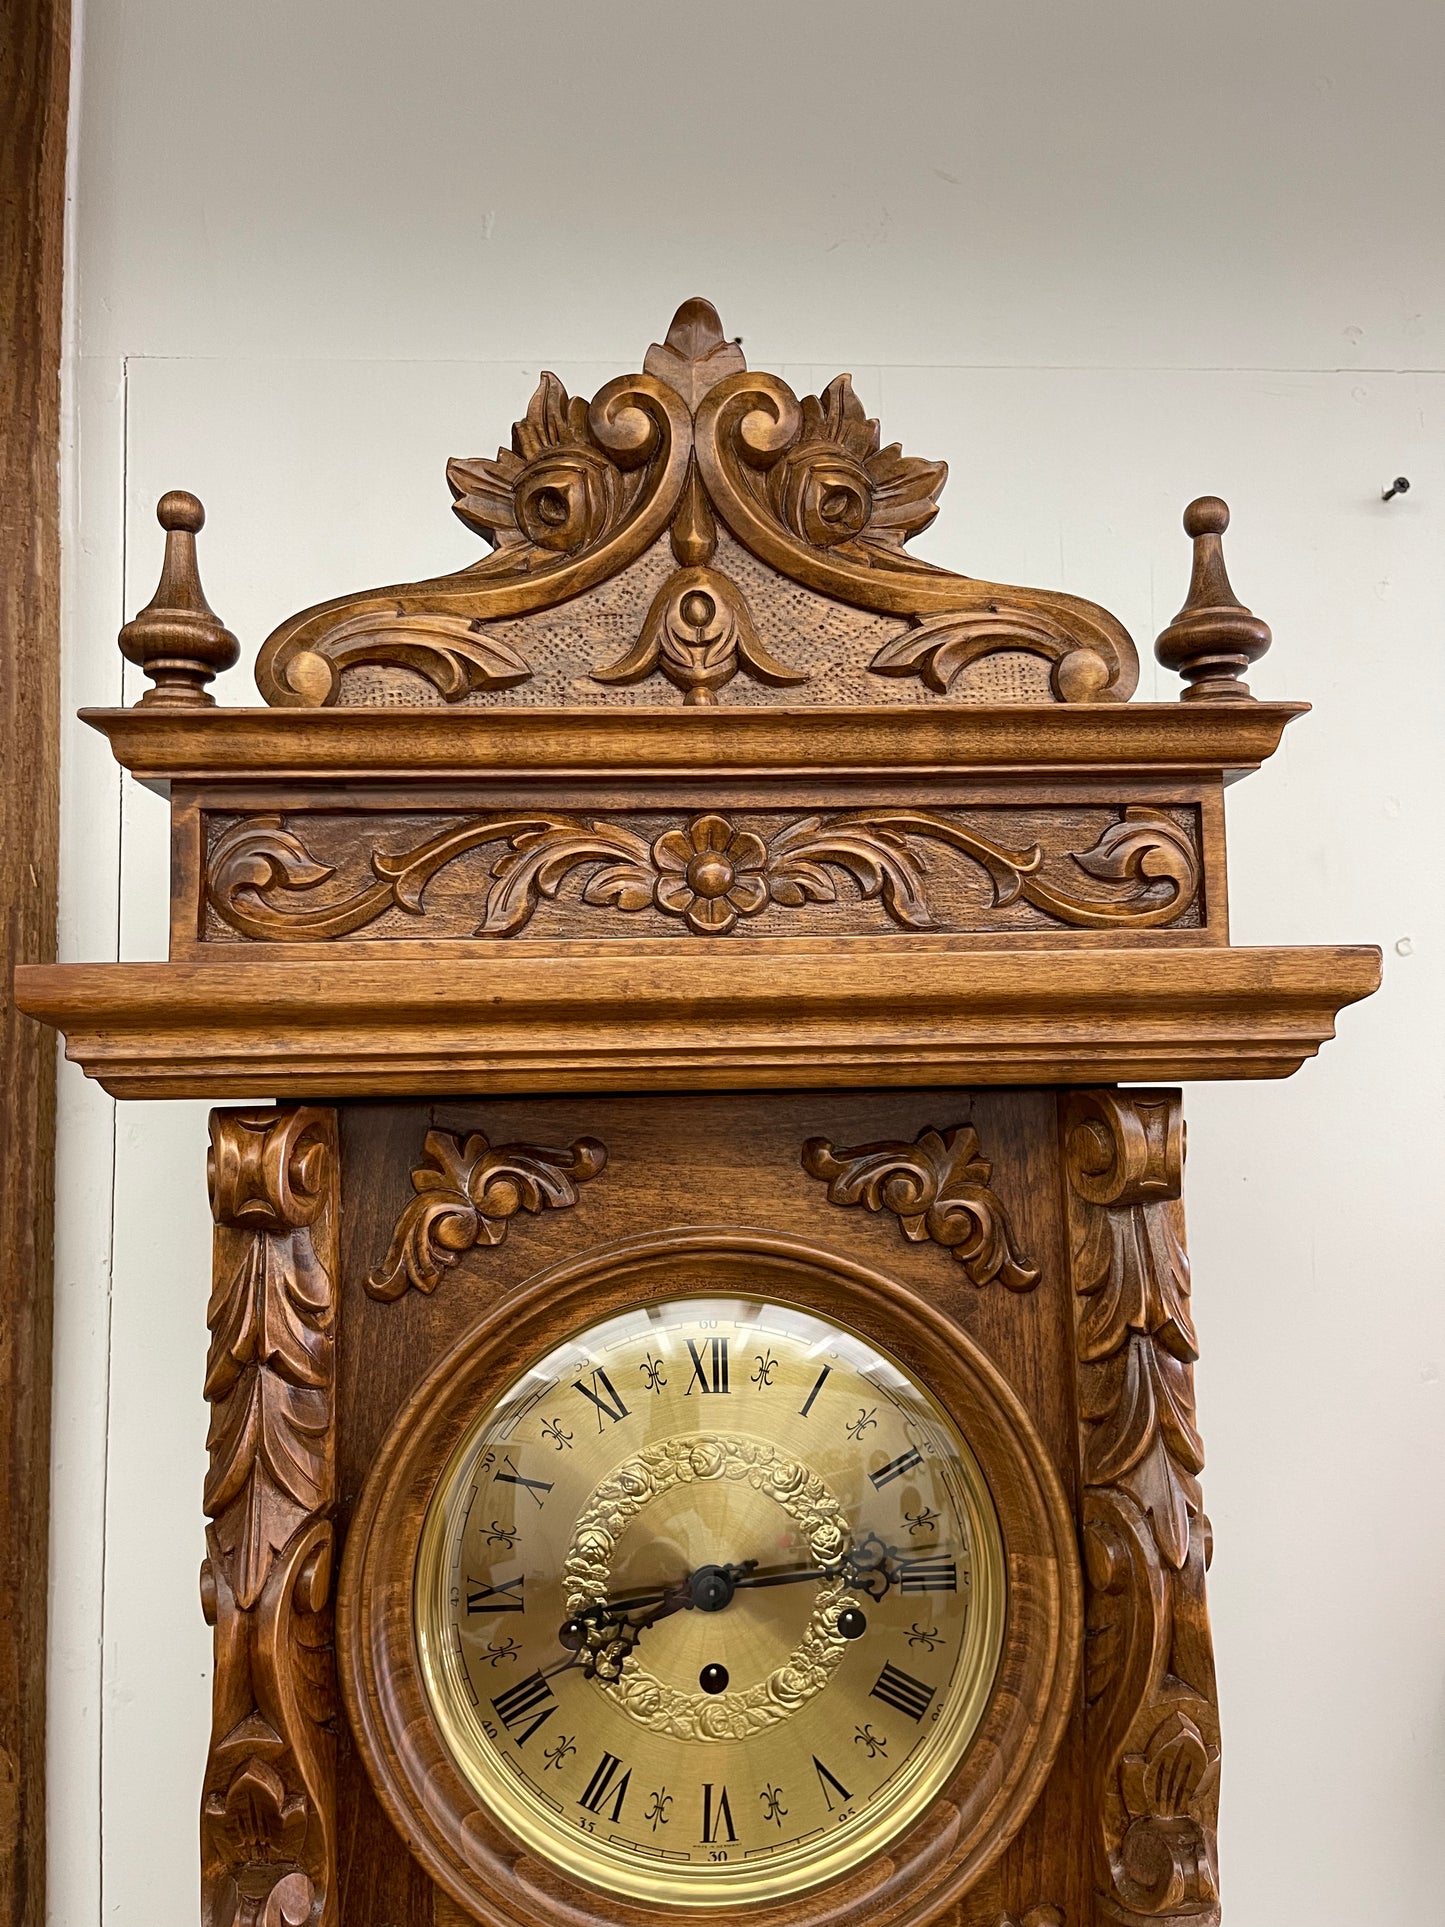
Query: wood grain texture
point(1153, 1721)
point(268, 1822)
point(391, 745)
point(34, 96)
point(908, 1010)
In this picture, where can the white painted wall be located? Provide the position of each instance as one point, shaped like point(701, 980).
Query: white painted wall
point(1101, 258)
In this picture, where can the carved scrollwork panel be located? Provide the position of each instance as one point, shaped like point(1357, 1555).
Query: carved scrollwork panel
point(466, 1196)
point(268, 1800)
point(710, 874)
point(939, 1188)
point(584, 489)
point(1152, 1724)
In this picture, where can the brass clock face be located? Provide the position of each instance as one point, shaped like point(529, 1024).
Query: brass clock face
point(710, 1601)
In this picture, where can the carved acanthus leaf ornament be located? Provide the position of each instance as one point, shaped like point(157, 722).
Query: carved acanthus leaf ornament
point(939, 1188)
point(693, 442)
point(267, 1808)
point(1152, 1724)
point(466, 1197)
point(710, 873)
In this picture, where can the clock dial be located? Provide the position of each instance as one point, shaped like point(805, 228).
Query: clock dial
point(709, 1603)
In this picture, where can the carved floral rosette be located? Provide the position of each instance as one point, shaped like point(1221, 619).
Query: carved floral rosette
point(693, 446)
point(267, 1807)
point(1152, 1721)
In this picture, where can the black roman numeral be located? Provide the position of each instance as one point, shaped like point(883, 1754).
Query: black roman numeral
point(827, 1781)
point(605, 1784)
point(895, 1469)
point(933, 1574)
point(607, 1401)
point(715, 1378)
point(506, 1598)
point(517, 1705)
point(903, 1693)
point(537, 1487)
point(716, 1813)
point(817, 1387)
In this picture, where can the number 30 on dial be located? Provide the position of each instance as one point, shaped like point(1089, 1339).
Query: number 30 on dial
point(710, 1601)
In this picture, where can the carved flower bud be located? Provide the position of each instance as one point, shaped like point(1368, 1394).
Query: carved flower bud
point(823, 495)
point(567, 498)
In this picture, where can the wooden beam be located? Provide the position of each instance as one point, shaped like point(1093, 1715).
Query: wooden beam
point(34, 95)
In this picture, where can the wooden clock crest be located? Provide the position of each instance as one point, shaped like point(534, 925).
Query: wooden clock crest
point(701, 1357)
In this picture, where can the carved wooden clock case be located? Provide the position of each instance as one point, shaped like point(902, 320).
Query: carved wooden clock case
point(701, 1359)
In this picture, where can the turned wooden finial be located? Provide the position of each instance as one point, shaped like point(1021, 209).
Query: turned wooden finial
point(1214, 638)
point(178, 639)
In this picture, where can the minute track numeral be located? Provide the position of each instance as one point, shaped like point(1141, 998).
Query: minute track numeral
point(604, 1395)
point(535, 1488)
point(506, 1598)
point(716, 1814)
point(903, 1693)
point(714, 1378)
point(895, 1469)
point(933, 1574)
point(606, 1785)
point(516, 1707)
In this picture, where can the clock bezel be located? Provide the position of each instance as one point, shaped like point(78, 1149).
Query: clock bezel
point(456, 1838)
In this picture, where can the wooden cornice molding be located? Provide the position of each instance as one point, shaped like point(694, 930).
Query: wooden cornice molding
point(160, 746)
point(675, 1017)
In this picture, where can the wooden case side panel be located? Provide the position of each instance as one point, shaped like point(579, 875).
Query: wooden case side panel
point(686, 1161)
point(1152, 1718)
point(268, 1819)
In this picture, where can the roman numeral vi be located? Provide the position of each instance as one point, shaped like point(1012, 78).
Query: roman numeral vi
point(715, 1814)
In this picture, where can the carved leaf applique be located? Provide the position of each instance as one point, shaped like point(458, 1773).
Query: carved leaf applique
point(466, 1197)
point(1143, 1437)
point(267, 1378)
point(1134, 1277)
point(938, 1188)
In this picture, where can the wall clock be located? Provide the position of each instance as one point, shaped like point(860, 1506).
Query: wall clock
point(701, 1341)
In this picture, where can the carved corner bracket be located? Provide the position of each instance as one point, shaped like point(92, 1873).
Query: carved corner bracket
point(466, 1196)
point(268, 1846)
point(938, 1188)
point(1152, 1724)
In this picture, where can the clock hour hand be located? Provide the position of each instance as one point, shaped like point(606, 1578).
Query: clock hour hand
point(603, 1634)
